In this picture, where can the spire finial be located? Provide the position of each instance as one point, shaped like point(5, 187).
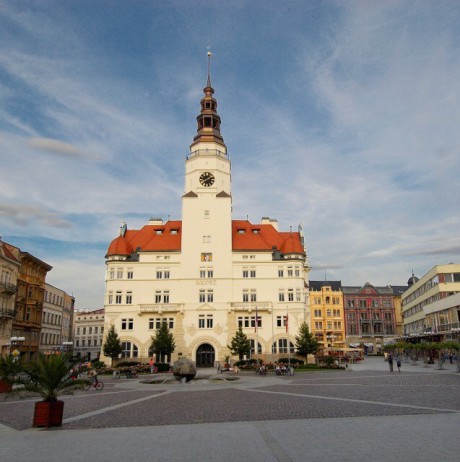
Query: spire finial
point(209, 68)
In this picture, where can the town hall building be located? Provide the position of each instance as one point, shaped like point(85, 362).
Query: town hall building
point(207, 274)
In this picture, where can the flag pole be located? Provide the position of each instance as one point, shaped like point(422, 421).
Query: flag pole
point(288, 340)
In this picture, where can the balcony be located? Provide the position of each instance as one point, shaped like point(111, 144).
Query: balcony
point(161, 308)
point(7, 313)
point(251, 306)
point(7, 288)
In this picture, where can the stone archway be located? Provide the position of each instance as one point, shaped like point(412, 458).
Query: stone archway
point(205, 355)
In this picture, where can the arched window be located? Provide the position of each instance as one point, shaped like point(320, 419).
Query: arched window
point(253, 347)
point(280, 346)
point(129, 350)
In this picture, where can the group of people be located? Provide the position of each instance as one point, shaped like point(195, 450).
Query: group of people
point(391, 359)
point(281, 369)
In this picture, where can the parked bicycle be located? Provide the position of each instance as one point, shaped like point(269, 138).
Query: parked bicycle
point(98, 385)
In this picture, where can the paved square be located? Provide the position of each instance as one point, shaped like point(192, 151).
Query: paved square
point(342, 399)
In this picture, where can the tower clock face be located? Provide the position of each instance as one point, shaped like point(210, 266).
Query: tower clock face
point(207, 179)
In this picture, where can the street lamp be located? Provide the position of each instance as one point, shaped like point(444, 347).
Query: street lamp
point(15, 346)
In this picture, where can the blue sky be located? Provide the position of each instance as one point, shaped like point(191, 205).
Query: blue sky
point(342, 116)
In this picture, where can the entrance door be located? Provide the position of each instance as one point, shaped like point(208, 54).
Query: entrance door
point(205, 356)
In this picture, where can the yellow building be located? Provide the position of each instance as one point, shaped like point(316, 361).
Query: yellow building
point(327, 315)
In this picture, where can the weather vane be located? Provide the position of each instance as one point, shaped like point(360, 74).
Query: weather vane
point(209, 66)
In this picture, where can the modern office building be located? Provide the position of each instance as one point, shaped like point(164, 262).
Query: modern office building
point(431, 304)
point(207, 274)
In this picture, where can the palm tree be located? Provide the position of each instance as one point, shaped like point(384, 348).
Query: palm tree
point(50, 376)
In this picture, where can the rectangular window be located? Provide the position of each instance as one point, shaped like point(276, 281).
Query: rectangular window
point(245, 296)
point(129, 298)
point(159, 274)
point(205, 321)
point(318, 325)
point(290, 295)
point(127, 324)
point(280, 272)
point(317, 313)
point(210, 273)
point(289, 272)
point(253, 273)
point(297, 295)
point(297, 272)
point(90, 330)
point(166, 296)
point(110, 298)
point(167, 274)
point(202, 273)
point(245, 273)
point(158, 296)
point(253, 296)
point(95, 329)
point(118, 298)
point(129, 274)
point(210, 296)
point(119, 273)
point(202, 297)
point(281, 296)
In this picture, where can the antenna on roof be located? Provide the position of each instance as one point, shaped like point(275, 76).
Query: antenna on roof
point(247, 217)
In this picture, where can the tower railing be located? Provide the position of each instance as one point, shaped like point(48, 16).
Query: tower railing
point(207, 152)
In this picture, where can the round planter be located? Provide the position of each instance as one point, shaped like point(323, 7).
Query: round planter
point(48, 414)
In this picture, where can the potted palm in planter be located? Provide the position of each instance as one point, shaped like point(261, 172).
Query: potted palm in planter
point(8, 368)
point(50, 376)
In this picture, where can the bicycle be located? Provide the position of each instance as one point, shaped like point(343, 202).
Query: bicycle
point(97, 385)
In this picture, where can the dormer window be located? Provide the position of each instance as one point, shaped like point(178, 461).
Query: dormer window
point(240, 231)
point(255, 231)
point(174, 231)
point(158, 231)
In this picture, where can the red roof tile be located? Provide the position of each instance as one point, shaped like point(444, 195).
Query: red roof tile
point(245, 235)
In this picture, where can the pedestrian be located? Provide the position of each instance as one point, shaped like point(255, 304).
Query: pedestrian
point(152, 365)
point(398, 363)
point(390, 362)
point(451, 358)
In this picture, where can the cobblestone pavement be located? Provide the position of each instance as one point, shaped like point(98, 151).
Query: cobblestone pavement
point(267, 418)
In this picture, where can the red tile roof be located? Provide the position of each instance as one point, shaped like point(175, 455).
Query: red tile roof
point(245, 235)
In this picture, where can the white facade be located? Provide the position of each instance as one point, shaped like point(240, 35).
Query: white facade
point(207, 274)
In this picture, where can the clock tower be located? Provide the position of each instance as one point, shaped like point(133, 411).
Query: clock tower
point(207, 201)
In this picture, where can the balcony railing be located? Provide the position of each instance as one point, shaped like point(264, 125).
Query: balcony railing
point(7, 313)
point(8, 288)
point(207, 152)
point(161, 308)
point(251, 306)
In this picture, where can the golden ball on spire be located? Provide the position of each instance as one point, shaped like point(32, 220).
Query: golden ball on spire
point(209, 53)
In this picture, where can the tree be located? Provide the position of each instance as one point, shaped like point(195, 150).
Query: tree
point(163, 343)
point(112, 346)
point(306, 342)
point(240, 344)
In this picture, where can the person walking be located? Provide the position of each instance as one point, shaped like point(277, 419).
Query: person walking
point(398, 363)
point(390, 362)
point(152, 365)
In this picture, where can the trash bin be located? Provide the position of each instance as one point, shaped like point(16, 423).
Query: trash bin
point(291, 371)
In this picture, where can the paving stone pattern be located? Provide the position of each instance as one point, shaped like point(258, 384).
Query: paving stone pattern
point(305, 396)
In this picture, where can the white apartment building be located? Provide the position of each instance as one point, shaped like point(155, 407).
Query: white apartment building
point(89, 332)
point(426, 304)
point(57, 319)
point(207, 274)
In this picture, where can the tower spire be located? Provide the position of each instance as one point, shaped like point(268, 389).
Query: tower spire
point(208, 83)
point(208, 121)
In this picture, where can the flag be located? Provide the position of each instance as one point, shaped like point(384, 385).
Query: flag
point(286, 322)
point(257, 321)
